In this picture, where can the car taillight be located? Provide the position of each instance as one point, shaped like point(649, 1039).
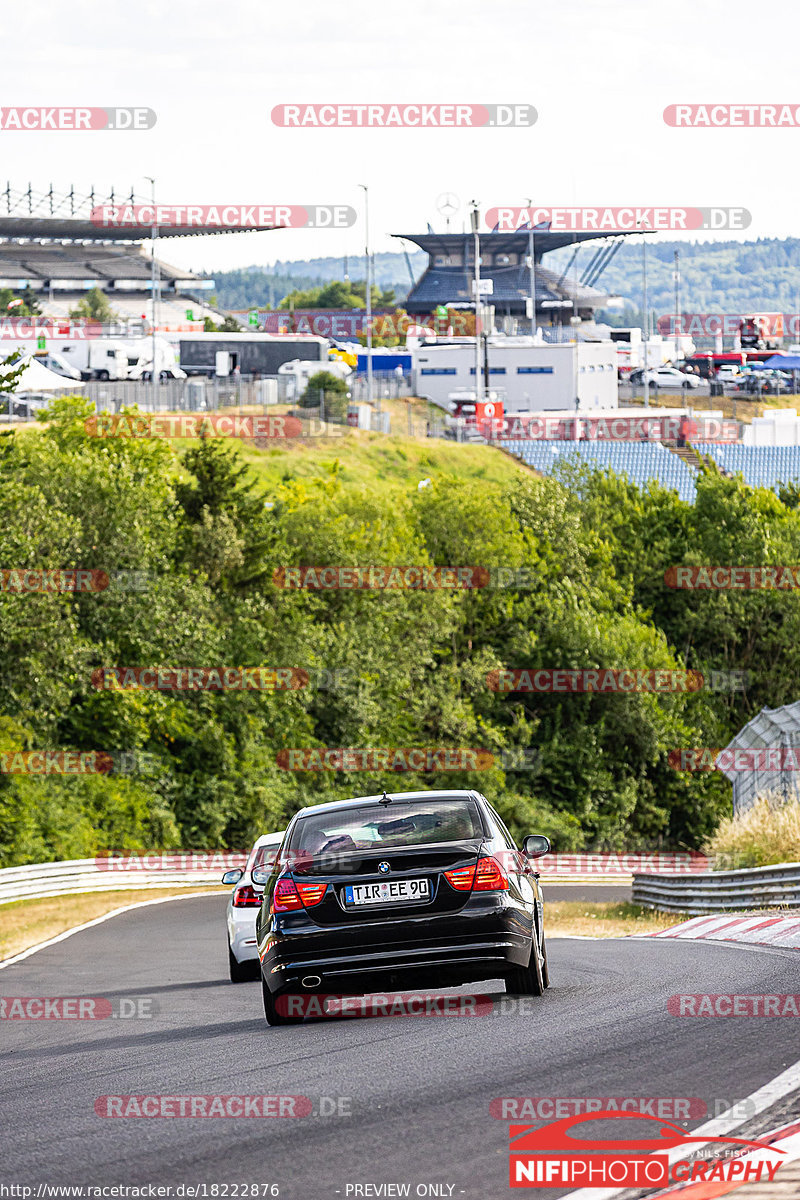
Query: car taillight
point(461, 878)
point(285, 898)
point(490, 876)
point(487, 876)
point(289, 896)
point(312, 893)
point(247, 897)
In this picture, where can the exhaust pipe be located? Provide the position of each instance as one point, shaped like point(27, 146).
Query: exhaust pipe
point(310, 981)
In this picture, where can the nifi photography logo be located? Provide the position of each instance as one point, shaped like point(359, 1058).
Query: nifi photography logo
point(637, 1162)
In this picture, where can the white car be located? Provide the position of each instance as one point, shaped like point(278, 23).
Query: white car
point(667, 377)
point(243, 908)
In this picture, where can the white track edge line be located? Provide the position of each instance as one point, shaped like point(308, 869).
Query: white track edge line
point(60, 937)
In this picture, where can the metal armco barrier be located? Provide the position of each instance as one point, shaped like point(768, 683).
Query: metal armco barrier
point(718, 891)
point(98, 875)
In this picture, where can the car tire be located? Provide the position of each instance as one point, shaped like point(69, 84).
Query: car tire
point(240, 972)
point(545, 969)
point(527, 981)
point(270, 1008)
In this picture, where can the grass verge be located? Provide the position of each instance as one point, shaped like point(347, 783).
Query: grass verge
point(769, 833)
point(585, 918)
point(25, 923)
point(373, 460)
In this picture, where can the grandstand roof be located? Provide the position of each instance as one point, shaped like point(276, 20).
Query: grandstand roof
point(504, 243)
point(68, 216)
point(79, 262)
point(451, 283)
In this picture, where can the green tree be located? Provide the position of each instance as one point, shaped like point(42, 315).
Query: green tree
point(229, 325)
point(10, 376)
point(94, 306)
point(329, 390)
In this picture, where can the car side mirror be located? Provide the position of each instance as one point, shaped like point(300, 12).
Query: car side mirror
point(232, 876)
point(260, 876)
point(535, 845)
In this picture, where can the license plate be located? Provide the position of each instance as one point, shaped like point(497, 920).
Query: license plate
point(387, 891)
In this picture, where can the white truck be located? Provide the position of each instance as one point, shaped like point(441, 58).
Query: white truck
point(95, 358)
point(140, 359)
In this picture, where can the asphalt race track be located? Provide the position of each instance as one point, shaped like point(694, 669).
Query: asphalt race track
point(417, 1089)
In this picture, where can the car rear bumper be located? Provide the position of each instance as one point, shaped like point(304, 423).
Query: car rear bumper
point(242, 934)
point(450, 949)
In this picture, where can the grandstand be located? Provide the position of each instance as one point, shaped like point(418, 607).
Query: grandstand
point(50, 244)
point(760, 466)
point(560, 294)
point(640, 461)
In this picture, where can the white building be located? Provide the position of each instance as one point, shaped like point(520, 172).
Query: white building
point(528, 375)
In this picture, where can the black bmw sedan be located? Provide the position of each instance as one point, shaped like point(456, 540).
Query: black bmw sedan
point(412, 889)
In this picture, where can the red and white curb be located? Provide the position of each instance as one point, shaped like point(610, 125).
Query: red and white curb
point(786, 1139)
point(756, 931)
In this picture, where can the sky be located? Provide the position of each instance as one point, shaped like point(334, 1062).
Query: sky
point(599, 76)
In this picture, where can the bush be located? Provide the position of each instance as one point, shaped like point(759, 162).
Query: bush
point(325, 387)
point(768, 833)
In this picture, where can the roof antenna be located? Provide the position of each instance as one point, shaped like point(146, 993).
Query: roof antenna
point(385, 799)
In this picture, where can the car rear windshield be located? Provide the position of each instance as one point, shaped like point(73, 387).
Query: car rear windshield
point(375, 826)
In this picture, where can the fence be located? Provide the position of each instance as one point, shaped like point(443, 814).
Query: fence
point(717, 891)
point(384, 387)
point(197, 394)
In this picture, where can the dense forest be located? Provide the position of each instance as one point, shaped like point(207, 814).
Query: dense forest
point(192, 540)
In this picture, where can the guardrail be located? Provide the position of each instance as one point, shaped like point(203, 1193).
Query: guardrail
point(110, 875)
point(719, 891)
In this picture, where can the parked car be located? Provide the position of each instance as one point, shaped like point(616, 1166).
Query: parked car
point(666, 377)
point(413, 889)
point(243, 906)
